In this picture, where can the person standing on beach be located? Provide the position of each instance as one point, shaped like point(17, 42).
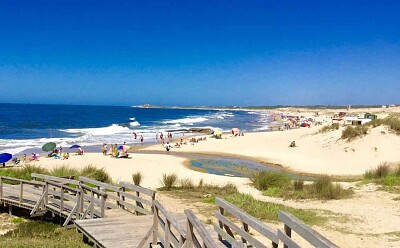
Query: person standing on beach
point(141, 139)
point(104, 150)
point(167, 147)
point(157, 136)
point(60, 151)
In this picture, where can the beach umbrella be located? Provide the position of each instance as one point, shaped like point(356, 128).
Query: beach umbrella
point(123, 147)
point(75, 146)
point(4, 157)
point(49, 147)
point(217, 132)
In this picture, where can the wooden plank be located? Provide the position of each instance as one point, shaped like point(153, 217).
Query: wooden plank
point(171, 219)
point(239, 231)
point(136, 208)
point(107, 232)
point(287, 240)
point(137, 188)
point(257, 225)
point(135, 198)
point(306, 232)
point(96, 191)
point(224, 235)
point(22, 180)
point(55, 179)
point(100, 184)
point(199, 227)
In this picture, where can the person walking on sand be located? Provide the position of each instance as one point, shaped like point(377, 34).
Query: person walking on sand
point(167, 147)
point(104, 149)
point(60, 151)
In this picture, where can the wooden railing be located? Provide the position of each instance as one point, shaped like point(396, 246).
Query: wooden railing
point(166, 228)
point(87, 198)
point(137, 199)
point(19, 185)
point(227, 227)
point(197, 236)
point(304, 231)
point(113, 192)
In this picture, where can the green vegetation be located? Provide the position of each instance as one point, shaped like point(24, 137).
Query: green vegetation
point(168, 181)
point(333, 127)
point(95, 173)
point(392, 122)
point(384, 175)
point(29, 233)
point(137, 178)
point(350, 133)
point(187, 189)
point(264, 180)
point(61, 171)
point(279, 185)
point(269, 211)
point(23, 172)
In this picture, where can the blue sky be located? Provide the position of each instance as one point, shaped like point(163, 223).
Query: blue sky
point(200, 52)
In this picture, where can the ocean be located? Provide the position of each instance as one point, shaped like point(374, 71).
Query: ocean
point(29, 126)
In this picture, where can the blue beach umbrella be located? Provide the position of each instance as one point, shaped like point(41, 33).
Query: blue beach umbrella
point(4, 157)
point(75, 146)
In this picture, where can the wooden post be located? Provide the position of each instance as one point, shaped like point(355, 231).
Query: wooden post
point(91, 205)
point(288, 232)
point(81, 202)
point(1, 187)
point(103, 205)
point(221, 225)
point(62, 200)
point(155, 225)
point(21, 194)
point(167, 233)
point(46, 196)
point(246, 228)
point(189, 234)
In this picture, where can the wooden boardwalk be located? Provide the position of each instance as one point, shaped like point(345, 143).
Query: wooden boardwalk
point(127, 215)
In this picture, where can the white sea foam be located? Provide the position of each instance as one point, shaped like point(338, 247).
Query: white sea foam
point(113, 129)
point(134, 124)
point(187, 120)
point(262, 128)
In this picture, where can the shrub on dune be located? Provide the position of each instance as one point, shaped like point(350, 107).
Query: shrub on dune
point(95, 173)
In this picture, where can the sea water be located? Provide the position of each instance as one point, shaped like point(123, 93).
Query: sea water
point(29, 126)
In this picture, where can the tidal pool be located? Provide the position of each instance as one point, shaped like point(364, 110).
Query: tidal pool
point(236, 167)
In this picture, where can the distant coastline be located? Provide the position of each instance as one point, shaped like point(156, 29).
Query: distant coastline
point(271, 107)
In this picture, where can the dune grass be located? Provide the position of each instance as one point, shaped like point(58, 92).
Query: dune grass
point(392, 122)
point(350, 133)
point(63, 171)
point(385, 175)
point(169, 181)
point(278, 184)
point(137, 178)
point(25, 171)
point(269, 211)
point(328, 128)
point(264, 180)
point(186, 188)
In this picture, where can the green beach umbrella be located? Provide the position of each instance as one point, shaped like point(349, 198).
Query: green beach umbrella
point(49, 146)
